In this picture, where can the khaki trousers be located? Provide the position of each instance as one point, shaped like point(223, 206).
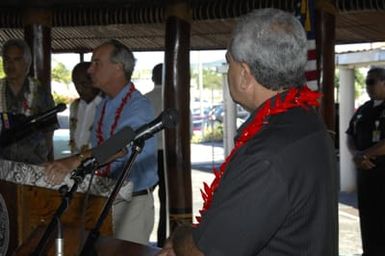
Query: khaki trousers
point(133, 220)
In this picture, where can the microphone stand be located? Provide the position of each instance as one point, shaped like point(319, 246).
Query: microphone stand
point(87, 166)
point(59, 240)
point(88, 248)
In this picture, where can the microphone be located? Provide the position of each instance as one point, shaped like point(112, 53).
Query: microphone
point(29, 125)
point(103, 152)
point(48, 114)
point(166, 119)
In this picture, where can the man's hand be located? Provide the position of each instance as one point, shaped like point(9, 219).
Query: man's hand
point(363, 161)
point(167, 250)
point(181, 243)
point(56, 171)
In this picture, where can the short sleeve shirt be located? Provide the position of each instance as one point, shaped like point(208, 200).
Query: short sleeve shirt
point(278, 195)
point(367, 127)
point(32, 149)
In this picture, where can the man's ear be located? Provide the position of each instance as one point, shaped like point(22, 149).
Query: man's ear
point(246, 75)
point(119, 66)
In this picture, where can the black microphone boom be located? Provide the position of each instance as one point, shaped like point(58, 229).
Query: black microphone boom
point(101, 154)
point(48, 114)
point(114, 144)
point(30, 125)
point(166, 119)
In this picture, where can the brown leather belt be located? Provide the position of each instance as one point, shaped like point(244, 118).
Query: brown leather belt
point(144, 191)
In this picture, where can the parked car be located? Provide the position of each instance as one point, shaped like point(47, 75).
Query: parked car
point(217, 113)
point(60, 143)
point(199, 116)
point(61, 136)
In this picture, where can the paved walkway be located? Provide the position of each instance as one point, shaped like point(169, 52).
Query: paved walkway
point(349, 231)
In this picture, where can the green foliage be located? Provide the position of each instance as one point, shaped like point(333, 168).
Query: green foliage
point(337, 84)
point(1, 68)
point(196, 138)
point(337, 78)
point(61, 74)
point(212, 132)
point(211, 78)
point(359, 81)
point(141, 74)
point(61, 98)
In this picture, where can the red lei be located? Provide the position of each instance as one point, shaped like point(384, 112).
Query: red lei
point(296, 97)
point(99, 130)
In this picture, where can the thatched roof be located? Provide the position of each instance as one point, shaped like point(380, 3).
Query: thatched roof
point(80, 25)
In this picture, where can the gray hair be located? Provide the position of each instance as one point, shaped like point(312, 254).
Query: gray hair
point(121, 54)
point(22, 45)
point(273, 43)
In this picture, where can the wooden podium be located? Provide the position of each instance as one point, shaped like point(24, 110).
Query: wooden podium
point(104, 246)
point(31, 202)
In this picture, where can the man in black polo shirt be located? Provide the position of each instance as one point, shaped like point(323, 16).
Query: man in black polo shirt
point(276, 192)
point(366, 135)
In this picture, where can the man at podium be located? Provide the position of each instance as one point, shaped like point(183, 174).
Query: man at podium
point(111, 69)
point(23, 96)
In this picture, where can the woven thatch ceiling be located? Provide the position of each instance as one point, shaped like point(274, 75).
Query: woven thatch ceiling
point(80, 25)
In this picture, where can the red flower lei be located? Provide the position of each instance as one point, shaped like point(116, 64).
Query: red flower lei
point(296, 97)
point(99, 131)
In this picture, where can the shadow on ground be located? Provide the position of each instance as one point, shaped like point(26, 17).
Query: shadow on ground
point(348, 198)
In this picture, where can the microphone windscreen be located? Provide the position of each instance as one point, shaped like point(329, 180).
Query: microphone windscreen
point(61, 107)
point(110, 147)
point(170, 118)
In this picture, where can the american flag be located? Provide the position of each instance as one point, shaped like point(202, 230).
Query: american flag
point(305, 12)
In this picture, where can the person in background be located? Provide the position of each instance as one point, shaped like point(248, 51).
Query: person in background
point(366, 134)
point(156, 98)
point(276, 192)
point(22, 95)
point(112, 65)
point(82, 110)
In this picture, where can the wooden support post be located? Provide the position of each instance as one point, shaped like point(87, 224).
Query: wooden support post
point(326, 42)
point(37, 33)
point(177, 95)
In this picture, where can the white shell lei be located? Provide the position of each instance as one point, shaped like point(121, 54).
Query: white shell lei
point(33, 85)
